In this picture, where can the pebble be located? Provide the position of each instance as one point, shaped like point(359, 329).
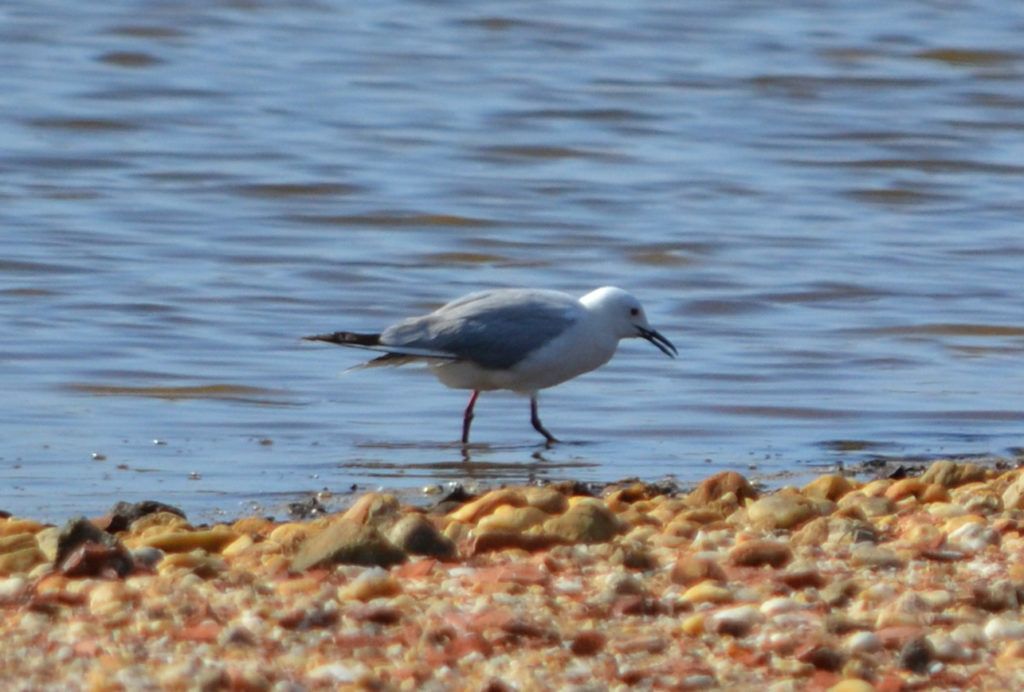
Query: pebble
point(874, 557)
point(588, 643)
point(694, 624)
point(416, 535)
point(290, 535)
point(373, 509)
point(995, 596)
point(623, 583)
point(692, 569)
point(372, 583)
point(176, 541)
point(474, 510)
point(237, 547)
point(830, 487)
point(339, 673)
point(586, 521)
point(916, 655)
point(779, 605)
point(803, 575)
point(978, 498)
point(950, 474)
point(1000, 628)
point(546, 499)
point(110, 598)
point(13, 588)
point(1013, 653)
point(780, 511)
point(973, 537)
point(708, 592)
point(198, 562)
point(546, 587)
point(720, 485)
point(161, 519)
point(863, 643)
point(1013, 496)
point(948, 649)
point(969, 634)
point(874, 506)
point(736, 622)
point(758, 553)
point(509, 518)
point(852, 685)
point(21, 560)
point(344, 541)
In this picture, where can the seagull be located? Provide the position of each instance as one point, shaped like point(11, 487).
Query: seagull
point(520, 339)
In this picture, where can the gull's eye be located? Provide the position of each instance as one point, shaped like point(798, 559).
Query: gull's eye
point(634, 312)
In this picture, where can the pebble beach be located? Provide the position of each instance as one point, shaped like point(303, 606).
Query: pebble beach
point(841, 585)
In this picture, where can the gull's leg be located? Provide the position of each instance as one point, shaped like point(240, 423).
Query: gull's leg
point(535, 419)
point(467, 417)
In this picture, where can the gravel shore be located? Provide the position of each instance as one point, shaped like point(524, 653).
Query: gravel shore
point(909, 584)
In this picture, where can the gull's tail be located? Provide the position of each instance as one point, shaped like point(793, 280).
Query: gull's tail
point(347, 339)
point(392, 355)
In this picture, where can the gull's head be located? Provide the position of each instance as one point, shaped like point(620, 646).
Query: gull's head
point(624, 314)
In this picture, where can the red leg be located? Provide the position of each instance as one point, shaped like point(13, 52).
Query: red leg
point(467, 417)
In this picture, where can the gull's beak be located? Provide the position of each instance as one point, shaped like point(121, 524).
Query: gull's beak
point(663, 344)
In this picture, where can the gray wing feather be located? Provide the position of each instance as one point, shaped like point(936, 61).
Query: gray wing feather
point(494, 329)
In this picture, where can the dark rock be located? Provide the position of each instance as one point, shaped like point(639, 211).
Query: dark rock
point(916, 655)
point(85, 550)
point(124, 513)
point(457, 497)
point(308, 619)
point(377, 614)
point(821, 657)
point(310, 508)
point(588, 643)
point(573, 488)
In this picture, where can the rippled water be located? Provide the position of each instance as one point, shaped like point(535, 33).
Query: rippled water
point(819, 203)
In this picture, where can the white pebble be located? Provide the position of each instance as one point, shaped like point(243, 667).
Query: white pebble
point(743, 616)
point(779, 605)
point(998, 628)
point(969, 634)
point(12, 588)
point(339, 672)
point(147, 556)
point(568, 586)
point(947, 648)
point(937, 599)
point(974, 537)
point(863, 643)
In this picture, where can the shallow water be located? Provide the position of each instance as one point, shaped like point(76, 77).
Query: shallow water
point(820, 204)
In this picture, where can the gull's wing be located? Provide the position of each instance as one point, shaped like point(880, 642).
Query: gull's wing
point(494, 329)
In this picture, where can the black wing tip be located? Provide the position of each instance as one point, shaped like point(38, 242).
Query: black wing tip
point(346, 339)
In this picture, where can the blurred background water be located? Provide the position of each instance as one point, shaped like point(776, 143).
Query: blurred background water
point(820, 203)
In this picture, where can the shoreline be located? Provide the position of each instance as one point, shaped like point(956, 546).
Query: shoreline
point(842, 584)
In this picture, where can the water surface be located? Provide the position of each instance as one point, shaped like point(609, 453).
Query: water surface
point(819, 203)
